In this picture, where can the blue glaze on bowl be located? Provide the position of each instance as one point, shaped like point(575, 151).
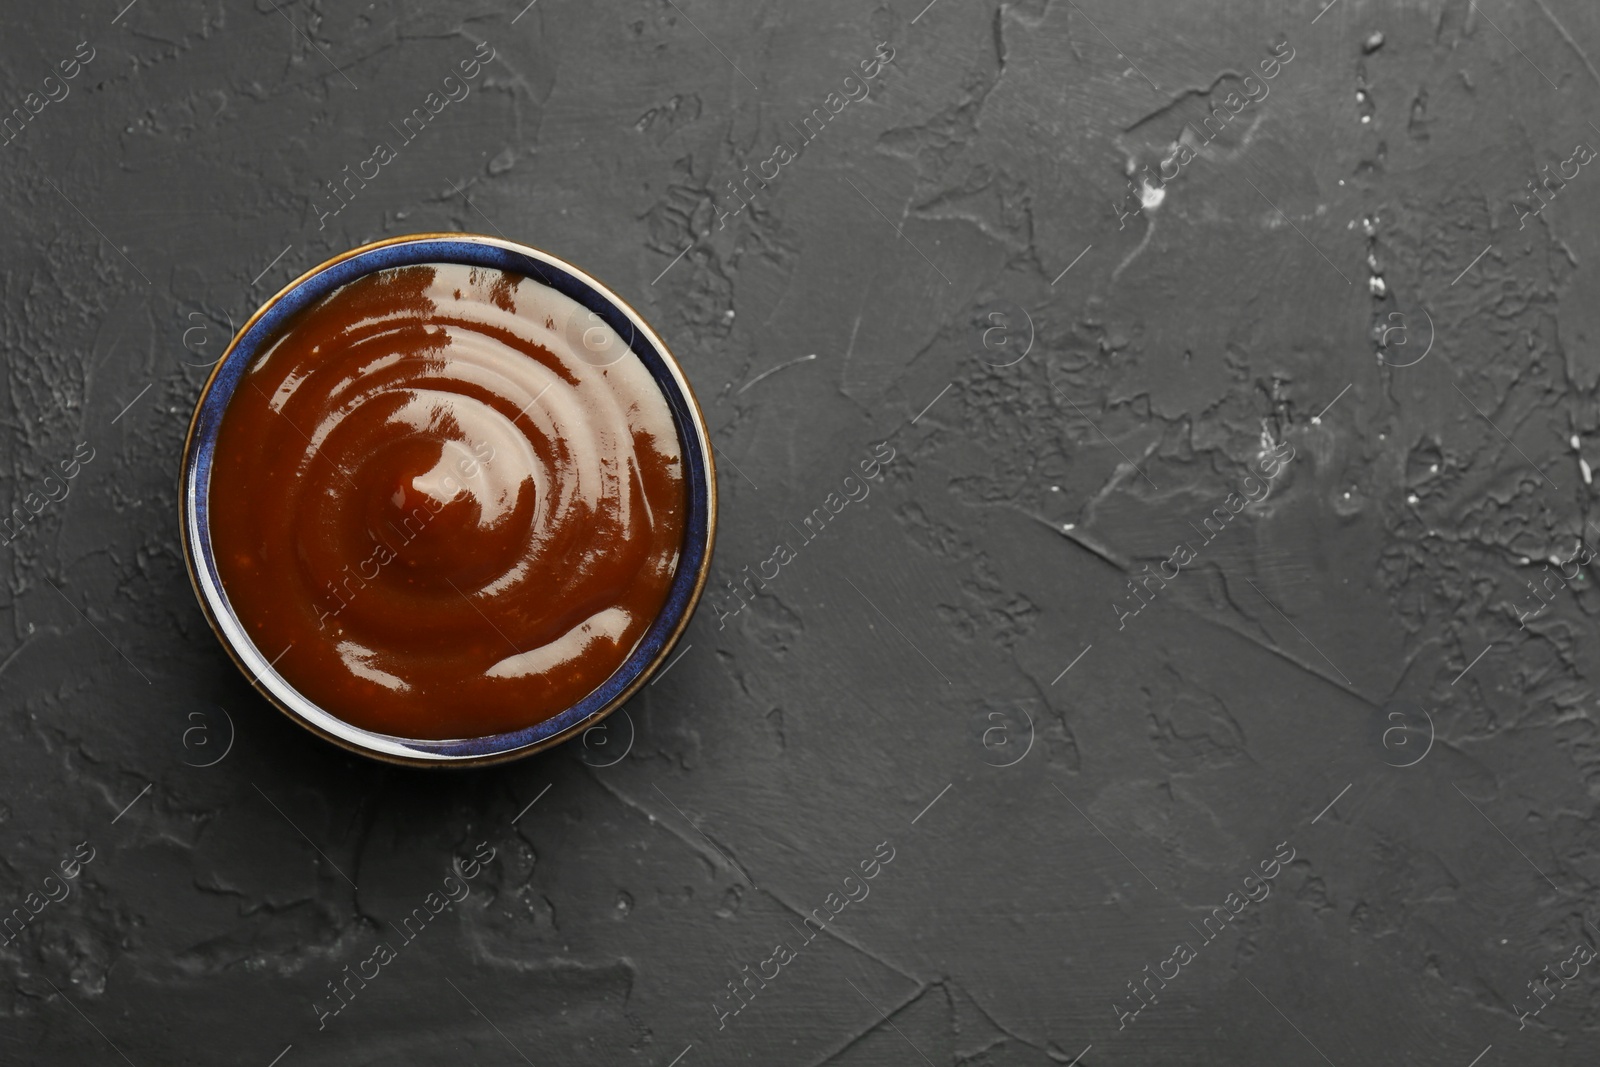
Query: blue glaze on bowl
point(476, 251)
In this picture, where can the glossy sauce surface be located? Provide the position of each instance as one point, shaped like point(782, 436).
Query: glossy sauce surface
point(450, 499)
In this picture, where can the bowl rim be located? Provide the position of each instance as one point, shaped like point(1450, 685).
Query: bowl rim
point(492, 748)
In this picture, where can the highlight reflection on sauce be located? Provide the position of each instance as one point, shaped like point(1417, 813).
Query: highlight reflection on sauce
point(451, 497)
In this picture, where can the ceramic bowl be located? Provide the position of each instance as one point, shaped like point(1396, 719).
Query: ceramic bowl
point(477, 251)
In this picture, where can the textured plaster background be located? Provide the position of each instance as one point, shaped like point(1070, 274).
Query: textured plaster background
point(1082, 821)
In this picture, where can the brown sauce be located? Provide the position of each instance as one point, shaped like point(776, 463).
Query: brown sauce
point(444, 516)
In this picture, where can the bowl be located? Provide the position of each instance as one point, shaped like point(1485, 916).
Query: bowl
point(472, 250)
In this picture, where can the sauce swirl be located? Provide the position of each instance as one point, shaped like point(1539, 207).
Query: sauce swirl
point(450, 499)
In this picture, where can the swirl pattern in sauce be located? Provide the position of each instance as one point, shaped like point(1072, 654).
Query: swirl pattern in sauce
point(451, 498)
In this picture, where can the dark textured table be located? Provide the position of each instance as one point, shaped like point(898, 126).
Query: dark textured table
point(1201, 676)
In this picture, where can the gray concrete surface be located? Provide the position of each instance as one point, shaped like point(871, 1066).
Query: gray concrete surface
point(1356, 714)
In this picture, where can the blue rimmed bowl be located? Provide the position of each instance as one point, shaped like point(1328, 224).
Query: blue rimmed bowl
point(471, 250)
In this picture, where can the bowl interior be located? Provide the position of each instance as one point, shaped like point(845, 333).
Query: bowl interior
point(469, 250)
